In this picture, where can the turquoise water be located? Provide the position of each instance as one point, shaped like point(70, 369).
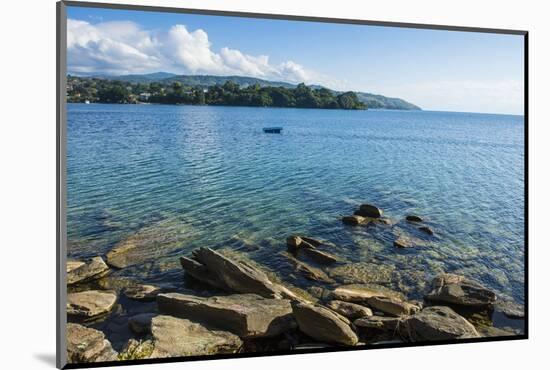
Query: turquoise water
point(209, 176)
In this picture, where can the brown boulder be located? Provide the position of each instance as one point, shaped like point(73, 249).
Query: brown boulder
point(87, 345)
point(247, 315)
point(323, 325)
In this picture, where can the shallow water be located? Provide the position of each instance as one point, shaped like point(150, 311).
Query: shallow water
point(209, 176)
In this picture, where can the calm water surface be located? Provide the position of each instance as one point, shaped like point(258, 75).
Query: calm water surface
point(209, 176)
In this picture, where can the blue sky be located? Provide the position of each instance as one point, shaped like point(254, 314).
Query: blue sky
point(438, 70)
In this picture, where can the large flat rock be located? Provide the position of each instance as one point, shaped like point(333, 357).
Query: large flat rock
point(87, 345)
point(78, 273)
point(219, 271)
point(247, 315)
point(458, 290)
point(437, 323)
point(174, 337)
point(90, 304)
point(323, 325)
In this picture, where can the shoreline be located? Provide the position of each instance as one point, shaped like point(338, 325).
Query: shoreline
point(353, 314)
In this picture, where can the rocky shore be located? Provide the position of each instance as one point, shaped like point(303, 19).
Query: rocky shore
point(241, 307)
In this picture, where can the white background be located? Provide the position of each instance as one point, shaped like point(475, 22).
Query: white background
point(27, 206)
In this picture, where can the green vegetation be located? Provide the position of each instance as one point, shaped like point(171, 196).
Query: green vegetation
point(80, 89)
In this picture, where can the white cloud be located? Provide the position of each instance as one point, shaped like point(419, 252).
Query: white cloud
point(124, 47)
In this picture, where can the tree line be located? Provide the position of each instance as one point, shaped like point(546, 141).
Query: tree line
point(80, 89)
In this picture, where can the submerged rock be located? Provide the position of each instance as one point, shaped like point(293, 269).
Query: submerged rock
point(362, 273)
point(142, 292)
point(458, 290)
point(317, 255)
point(90, 304)
point(309, 272)
point(402, 242)
point(426, 229)
point(141, 323)
point(175, 337)
point(87, 345)
point(247, 315)
point(323, 325)
point(149, 243)
point(436, 323)
point(355, 220)
point(80, 272)
point(413, 218)
point(221, 272)
point(349, 310)
point(368, 210)
point(510, 309)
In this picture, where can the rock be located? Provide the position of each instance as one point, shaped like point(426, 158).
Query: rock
point(360, 293)
point(510, 309)
point(402, 242)
point(413, 218)
point(71, 265)
point(174, 337)
point(355, 220)
point(136, 350)
point(87, 345)
point(351, 311)
point(362, 273)
point(456, 289)
point(309, 272)
point(293, 242)
point(368, 210)
point(323, 325)
point(317, 255)
point(319, 292)
point(86, 272)
point(149, 243)
point(90, 304)
point(247, 315)
point(426, 229)
point(392, 306)
point(219, 271)
point(378, 322)
point(313, 241)
point(141, 323)
point(142, 292)
point(436, 323)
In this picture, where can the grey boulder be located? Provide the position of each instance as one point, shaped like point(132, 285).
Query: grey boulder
point(90, 304)
point(247, 315)
point(174, 337)
point(87, 345)
point(349, 310)
point(437, 323)
point(79, 272)
point(323, 325)
point(458, 290)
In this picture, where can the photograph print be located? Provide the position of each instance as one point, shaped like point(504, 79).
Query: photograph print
point(241, 185)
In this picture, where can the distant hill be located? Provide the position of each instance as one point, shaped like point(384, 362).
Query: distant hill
point(372, 101)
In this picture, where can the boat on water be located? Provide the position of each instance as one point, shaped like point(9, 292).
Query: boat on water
point(273, 130)
point(86, 102)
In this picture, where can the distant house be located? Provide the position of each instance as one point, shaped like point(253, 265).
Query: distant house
point(205, 90)
point(144, 96)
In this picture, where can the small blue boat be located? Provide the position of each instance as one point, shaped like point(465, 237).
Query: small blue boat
point(273, 130)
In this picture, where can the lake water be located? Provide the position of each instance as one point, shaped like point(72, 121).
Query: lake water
point(209, 176)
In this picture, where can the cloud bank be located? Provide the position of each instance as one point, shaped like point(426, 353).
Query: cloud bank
point(124, 47)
